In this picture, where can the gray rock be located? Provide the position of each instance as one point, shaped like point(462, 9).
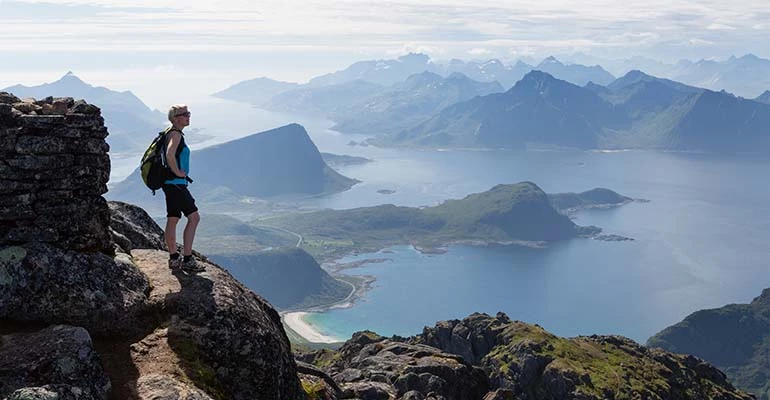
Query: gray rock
point(500, 394)
point(58, 362)
point(396, 368)
point(367, 391)
point(61, 152)
point(160, 387)
point(43, 283)
point(218, 326)
point(134, 224)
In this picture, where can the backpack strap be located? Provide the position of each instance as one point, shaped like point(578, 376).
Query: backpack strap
point(179, 148)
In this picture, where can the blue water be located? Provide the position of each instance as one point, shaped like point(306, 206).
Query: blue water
point(701, 242)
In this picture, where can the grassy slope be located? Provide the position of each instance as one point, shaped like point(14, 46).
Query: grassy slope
point(504, 213)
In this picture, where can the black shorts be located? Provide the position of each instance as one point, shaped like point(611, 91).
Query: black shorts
point(178, 201)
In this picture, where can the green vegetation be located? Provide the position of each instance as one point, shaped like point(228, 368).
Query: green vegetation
point(735, 338)
point(505, 213)
point(314, 389)
point(200, 374)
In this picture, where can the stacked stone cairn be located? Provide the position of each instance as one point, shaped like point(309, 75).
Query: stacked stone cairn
point(53, 162)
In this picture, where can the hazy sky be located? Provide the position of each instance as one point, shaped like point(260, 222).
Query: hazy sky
point(203, 46)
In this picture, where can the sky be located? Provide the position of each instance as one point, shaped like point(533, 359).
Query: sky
point(161, 49)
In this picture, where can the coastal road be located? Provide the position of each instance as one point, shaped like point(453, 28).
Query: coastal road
point(275, 228)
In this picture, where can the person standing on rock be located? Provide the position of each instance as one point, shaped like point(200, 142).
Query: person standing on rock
point(178, 198)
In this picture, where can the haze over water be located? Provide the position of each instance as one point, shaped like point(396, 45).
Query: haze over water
point(701, 241)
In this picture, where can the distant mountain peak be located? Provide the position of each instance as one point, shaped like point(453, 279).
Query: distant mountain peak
point(550, 60)
point(415, 57)
point(750, 56)
point(457, 76)
point(537, 75)
point(421, 79)
point(635, 73)
point(764, 97)
point(71, 77)
point(492, 62)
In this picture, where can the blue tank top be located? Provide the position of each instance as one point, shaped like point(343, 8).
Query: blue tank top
point(183, 162)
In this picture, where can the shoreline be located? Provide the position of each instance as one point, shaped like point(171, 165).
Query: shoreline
point(296, 322)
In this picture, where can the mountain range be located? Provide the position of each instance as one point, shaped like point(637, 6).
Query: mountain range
point(407, 103)
point(128, 120)
point(387, 73)
point(634, 111)
point(745, 76)
point(748, 75)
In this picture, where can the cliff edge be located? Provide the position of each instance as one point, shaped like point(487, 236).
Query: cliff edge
point(88, 306)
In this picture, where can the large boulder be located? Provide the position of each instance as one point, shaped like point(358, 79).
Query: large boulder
point(43, 283)
point(132, 228)
point(58, 362)
point(372, 367)
point(227, 339)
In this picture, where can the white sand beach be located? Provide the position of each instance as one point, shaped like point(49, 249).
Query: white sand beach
point(295, 321)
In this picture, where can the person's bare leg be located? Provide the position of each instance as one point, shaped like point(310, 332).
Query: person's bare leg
point(170, 234)
point(189, 232)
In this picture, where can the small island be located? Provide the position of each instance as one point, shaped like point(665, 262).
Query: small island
point(386, 191)
point(513, 214)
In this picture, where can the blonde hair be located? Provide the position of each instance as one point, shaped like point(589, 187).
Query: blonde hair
point(175, 110)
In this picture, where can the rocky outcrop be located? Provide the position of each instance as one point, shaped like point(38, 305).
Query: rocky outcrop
point(43, 283)
point(131, 227)
point(54, 168)
point(494, 358)
point(369, 366)
point(534, 364)
point(218, 326)
point(58, 362)
point(155, 334)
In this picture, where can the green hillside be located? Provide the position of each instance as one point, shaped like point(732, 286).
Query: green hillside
point(504, 214)
point(735, 338)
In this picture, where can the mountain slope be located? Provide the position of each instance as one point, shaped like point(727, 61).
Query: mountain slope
point(280, 161)
point(637, 111)
point(289, 277)
point(764, 97)
point(328, 101)
point(255, 91)
point(487, 71)
point(381, 72)
point(410, 102)
point(746, 76)
point(735, 338)
point(504, 214)
point(539, 108)
point(575, 73)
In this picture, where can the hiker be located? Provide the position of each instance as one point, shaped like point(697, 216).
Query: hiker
point(178, 197)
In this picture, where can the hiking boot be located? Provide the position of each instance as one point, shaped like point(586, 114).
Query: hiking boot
point(175, 264)
point(192, 266)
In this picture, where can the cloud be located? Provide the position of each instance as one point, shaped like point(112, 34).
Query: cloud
point(479, 52)
point(700, 42)
point(720, 27)
point(447, 28)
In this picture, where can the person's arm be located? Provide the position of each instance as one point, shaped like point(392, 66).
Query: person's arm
point(174, 138)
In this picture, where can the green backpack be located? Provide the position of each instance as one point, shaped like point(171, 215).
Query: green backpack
point(154, 167)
